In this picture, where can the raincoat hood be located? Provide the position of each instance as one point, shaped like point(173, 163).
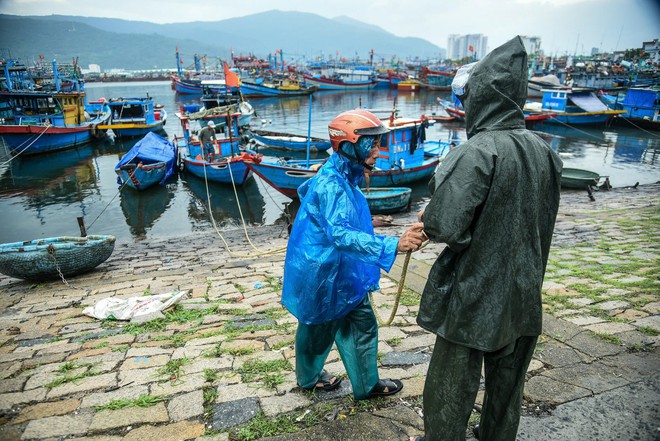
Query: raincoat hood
point(497, 90)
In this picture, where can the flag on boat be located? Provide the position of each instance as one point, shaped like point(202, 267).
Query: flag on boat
point(231, 78)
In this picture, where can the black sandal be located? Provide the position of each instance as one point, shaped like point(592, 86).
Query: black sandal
point(327, 384)
point(392, 386)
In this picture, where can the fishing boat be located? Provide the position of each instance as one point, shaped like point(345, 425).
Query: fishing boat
point(215, 107)
point(438, 148)
point(342, 79)
point(574, 107)
point(192, 83)
point(151, 161)
point(401, 161)
point(275, 85)
point(409, 85)
point(287, 141)
point(579, 178)
point(458, 113)
point(387, 200)
point(54, 257)
point(436, 79)
point(641, 104)
point(36, 119)
point(132, 117)
point(229, 165)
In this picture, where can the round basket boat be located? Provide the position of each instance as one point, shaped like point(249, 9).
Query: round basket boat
point(44, 259)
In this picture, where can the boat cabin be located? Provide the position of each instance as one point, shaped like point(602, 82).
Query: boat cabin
point(558, 100)
point(402, 147)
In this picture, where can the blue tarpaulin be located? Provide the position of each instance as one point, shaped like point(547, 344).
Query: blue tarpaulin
point(150, 150)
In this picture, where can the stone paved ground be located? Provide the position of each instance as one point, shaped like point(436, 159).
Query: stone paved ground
point(220, 365)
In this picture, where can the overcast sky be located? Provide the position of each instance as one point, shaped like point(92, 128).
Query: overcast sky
point(565, 26)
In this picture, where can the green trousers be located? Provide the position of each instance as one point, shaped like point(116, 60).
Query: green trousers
point(356, 336)
point(452, 383)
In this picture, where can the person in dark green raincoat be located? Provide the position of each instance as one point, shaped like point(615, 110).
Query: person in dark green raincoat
point(494, 203)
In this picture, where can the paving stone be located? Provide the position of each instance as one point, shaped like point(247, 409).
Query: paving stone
point(140, 376)
point(595, 377)
point(632, 314)
point(276, 405)
point(185, 383)
point(102, 398)
point(632, 279)
point(413, 342)
point(221, 363)
point(112, 419)
point(557, 354)
point(12, 385)
point(57, 426)
point(185, 406)
point(610, 327)
point(593, 346)
point(543, 389)
point(405, 358)
point(192, 352)
point(559, 329)
point(8, 400)
point(583, 320)
point(43, 410)
point(652, 307)
point(142, 362)
point(170, 432)
point(652, 322)
point(612, 304)
point(534, 365)
point(231, 392)
point(233, 413)
point(84, 385)
point(582, 301)
point(147, 352)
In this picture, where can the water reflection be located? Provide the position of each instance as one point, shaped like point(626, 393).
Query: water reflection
point(143, 208)
point(224, 208)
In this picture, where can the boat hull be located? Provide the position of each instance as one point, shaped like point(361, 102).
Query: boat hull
point(256, 90)
point(142, 177)
point(327, 84)
point(40, 259)
point(388, 200)
point(223, 170)
point(34, 139)
point(288, 142)
point(578, 178)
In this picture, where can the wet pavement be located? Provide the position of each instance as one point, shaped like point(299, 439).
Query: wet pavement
point(220, 366)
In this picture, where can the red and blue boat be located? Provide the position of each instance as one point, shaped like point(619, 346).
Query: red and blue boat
point(401, 161)
point(229, 165)
point(37, 119)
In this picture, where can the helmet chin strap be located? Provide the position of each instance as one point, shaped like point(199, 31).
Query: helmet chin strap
point(355, 158)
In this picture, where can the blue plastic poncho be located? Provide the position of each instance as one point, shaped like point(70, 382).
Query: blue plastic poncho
point(333, 258)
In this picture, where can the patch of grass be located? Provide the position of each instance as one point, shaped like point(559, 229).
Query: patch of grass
point(283, 344)
point(607, 337)
point(210, 375)
point(648, 331)
point(394, 341)
point(210, 395)
point(172, 369)
point(257, 370)
point(65, 374)
point(239, 288)
point(141, 401)
point(122, 348)
point(261, 426)
point(146, 292)
point(101, 345)
point(409, 297)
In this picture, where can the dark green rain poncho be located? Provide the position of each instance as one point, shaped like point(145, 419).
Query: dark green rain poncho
point(494, 203)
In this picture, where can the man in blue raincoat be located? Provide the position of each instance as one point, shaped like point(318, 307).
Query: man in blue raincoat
point(334, 260)
point(494, 204)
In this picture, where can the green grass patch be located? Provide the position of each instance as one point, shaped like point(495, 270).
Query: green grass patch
point(648, 331)
point(122, 348)
point(409, 297)
point(210, 375)
point(261, 426)
point(141, 401)
point(607, 337)
point(172, 369)
point(65, 373)
point(101, 345)
point(265, 371)
point(394, 341)
point(283, 344)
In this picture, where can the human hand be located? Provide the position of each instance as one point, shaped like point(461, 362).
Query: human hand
point(412, 238)
point(420, 213)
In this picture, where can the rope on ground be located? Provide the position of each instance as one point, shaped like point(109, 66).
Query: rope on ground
point(48, 126)
point(402, 280)
point(217, 230)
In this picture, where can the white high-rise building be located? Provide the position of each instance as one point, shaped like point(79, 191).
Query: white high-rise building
point(470, 45)
point(532, 44)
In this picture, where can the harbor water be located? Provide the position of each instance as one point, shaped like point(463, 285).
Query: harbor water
point(42, 196)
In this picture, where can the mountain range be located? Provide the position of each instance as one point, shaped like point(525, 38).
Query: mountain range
point(133, 45)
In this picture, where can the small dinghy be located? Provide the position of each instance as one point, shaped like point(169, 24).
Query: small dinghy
point(384, 200)
point(54, 257)
point(578, 178)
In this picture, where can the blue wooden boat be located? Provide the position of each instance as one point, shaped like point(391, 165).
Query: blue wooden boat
point(287, 141)
point(43, 259)
point(386, 200)
point(571, 106)
point(437, 148)
point(133, 117)
point(641, 104)
point(229, 165)
point(342, 79)
point(35, 119)
point(401, 162)
point(151, 161)
point(275, 85)
point(184, 83)
point(214, 107)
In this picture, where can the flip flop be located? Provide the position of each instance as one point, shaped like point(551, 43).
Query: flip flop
point(392, 386)
point(327, 384)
